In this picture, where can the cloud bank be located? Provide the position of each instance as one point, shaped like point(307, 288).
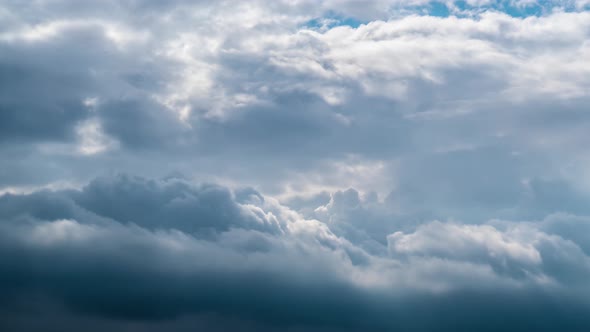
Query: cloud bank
point(146, 258)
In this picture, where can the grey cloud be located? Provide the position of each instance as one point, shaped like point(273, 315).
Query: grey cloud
point(569, 226)
point(342, 147)
point(151, 204)
point(368, 221)
point(155, 204)
point(113, 251)
point(140, 124)
point(106, 258)
point(45, 88)
point(37, 101)
point(454, 181)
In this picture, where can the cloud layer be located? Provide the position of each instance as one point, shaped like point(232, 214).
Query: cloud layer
point(333, 165)
point(250, 259)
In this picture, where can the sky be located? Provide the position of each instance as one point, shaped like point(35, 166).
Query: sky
point(294, 165)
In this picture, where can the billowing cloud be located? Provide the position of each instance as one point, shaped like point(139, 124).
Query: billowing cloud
point(201, 91)
point(124, 248)
point(334, 165)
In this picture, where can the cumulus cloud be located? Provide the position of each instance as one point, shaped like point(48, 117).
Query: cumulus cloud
point(117, 250)
point(201, 91)
point(333, 165)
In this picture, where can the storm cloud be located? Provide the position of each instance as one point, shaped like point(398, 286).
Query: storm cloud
point(146, 259)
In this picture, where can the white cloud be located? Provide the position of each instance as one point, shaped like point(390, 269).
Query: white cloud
point(453, 241)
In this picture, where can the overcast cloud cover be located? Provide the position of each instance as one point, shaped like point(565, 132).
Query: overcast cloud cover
point(294, 165)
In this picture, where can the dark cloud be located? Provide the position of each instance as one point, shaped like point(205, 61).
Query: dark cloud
point(38, 102)
point(112, 253)
point(152, 204)
point(140, 124)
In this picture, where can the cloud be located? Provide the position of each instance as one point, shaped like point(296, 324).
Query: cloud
point(150, 204)
point(389, 93)
point(333, 165)
point(504, 250)
point(118, 250)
